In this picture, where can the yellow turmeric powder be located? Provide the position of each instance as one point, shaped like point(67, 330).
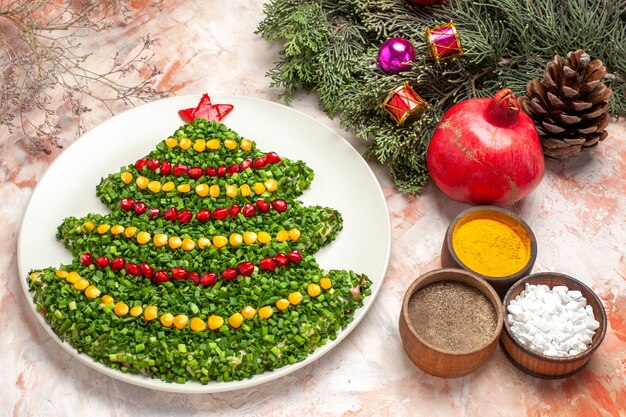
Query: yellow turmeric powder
point(491, 247)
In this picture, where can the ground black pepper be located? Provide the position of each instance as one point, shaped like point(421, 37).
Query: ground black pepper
point(452, 315)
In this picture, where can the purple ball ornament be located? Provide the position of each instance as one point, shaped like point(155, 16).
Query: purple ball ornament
point(395, 54)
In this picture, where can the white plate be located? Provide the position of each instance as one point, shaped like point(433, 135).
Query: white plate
point(342, 181)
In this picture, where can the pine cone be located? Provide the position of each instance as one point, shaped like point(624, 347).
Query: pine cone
point(570, 106)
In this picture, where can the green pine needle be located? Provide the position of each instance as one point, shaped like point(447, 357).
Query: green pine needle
point(330, 48)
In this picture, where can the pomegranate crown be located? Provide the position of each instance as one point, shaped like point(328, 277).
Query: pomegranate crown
point(503, 109)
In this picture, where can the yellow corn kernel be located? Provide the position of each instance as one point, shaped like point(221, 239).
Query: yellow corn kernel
point(231, 191)
point(219, 241)
point(120, 309)
point(126, 177)
point(130, 231)
point(235, 320)
point(188, 244)
point(271, 184)
point(166, 319)
point(88, 226)
point(295, 298)
point(183, 188)
point(215, 322)
point(204, 243)
point(326, 283)
point(313, 290)
point(213, 144)
point(235, 239)
point(282, 304)
point(117, 229)
point(175, 242)
point(265, 312)
point(180, 321)
point(136, 311)
point(92, 292)
point(72, 277)
point(202, 190)
point(159, 240)
point(248, 312)
point(245, 190)
point(199, 145)
point(214, 190)
point(61, 273)
point(282, 235)
point(249, 237)
point(245, 145)
point(264, 237)
point(35, 275)
point(184, 143)
point(107, 300)
point(150, 313)
point(258, 188)
point(197, 324)
point(154, 186)
point(230, 144)
point(171, 142)
point(81, 284)
point(294, 234)
point(143, 237)
point(168, 186)
point(103, 228)
point(142, 182)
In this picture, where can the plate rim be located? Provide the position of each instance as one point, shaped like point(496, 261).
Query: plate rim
point(194, 387)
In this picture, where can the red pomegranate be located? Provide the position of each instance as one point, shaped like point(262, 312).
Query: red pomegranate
point(486, 151)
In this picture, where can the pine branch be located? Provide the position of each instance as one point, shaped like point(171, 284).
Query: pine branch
point(330, 48)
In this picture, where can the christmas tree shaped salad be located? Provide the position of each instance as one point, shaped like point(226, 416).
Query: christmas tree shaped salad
point(204, 269)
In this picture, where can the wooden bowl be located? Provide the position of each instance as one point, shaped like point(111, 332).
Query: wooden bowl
point(536, 363)
point(449, 258)
point(436, 361)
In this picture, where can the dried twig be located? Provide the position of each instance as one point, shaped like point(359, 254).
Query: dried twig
point(43, 62)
